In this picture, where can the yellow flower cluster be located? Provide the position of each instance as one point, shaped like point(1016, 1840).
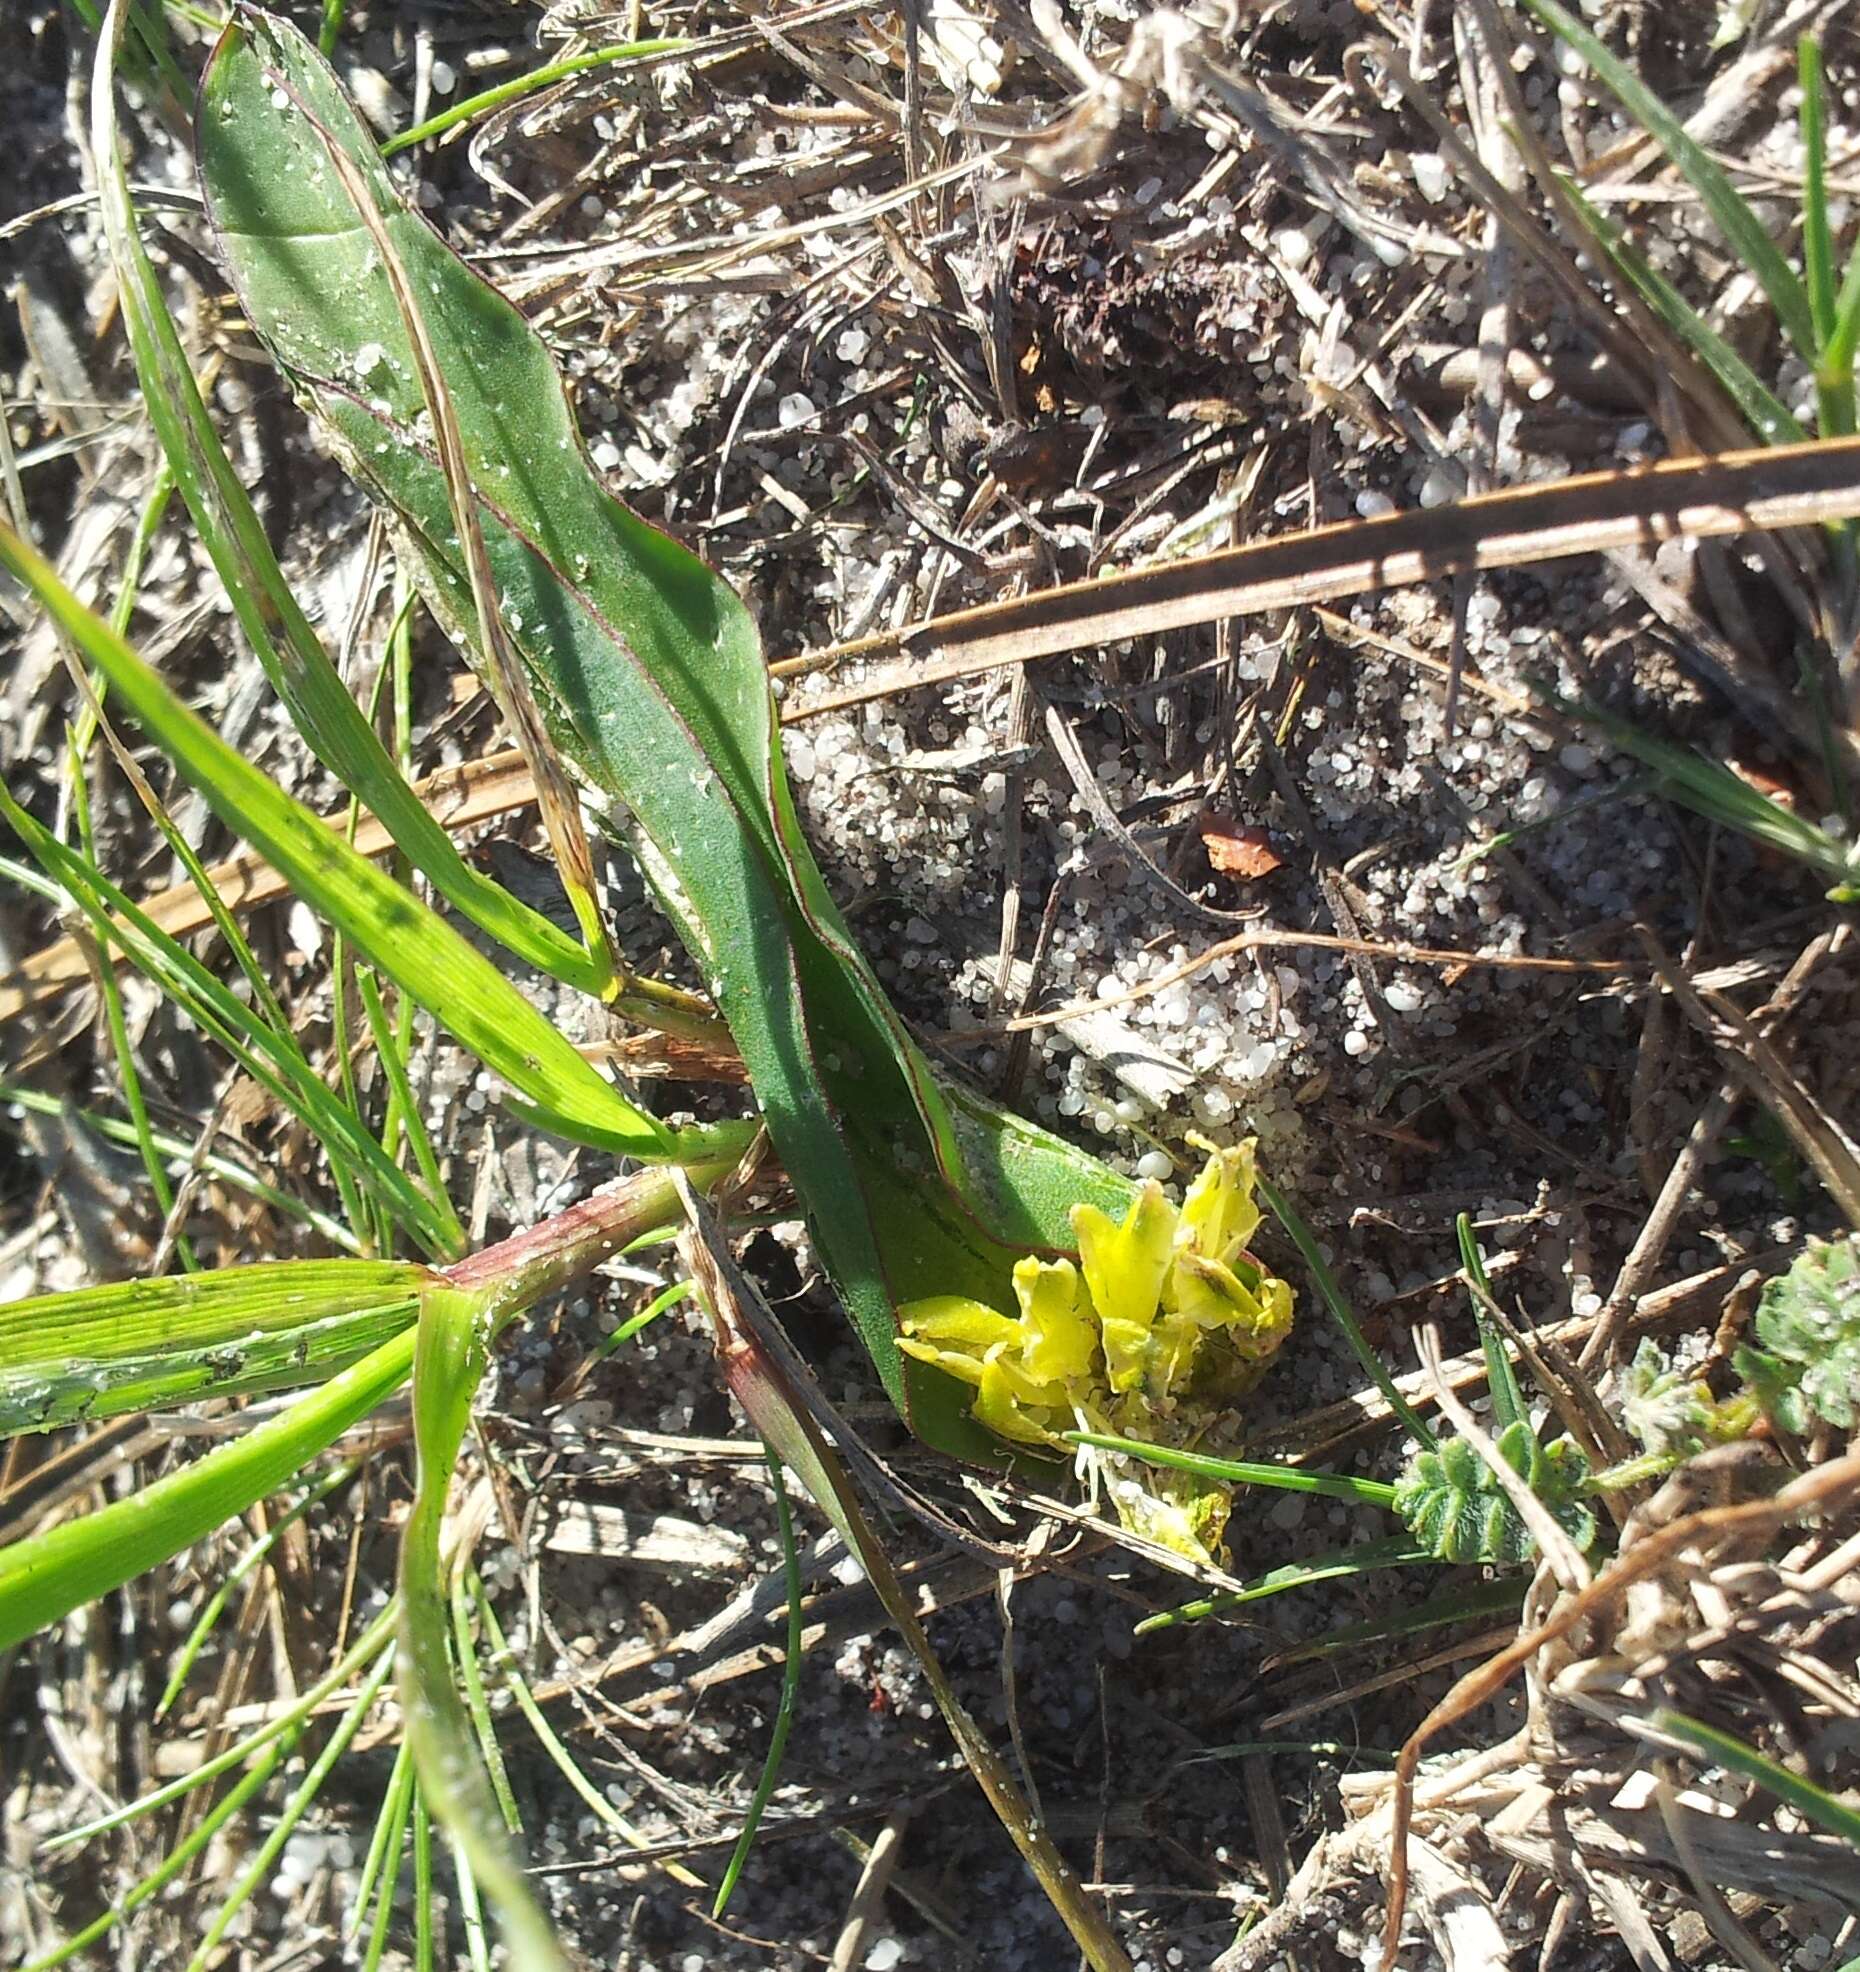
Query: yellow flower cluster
point(1162, 1324)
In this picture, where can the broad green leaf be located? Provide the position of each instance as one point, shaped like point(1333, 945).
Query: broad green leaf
point(268, 611)
point(651, 677)
point(44, 1578)
point(403, 937)
point(1738, 223)
point(144, 1344)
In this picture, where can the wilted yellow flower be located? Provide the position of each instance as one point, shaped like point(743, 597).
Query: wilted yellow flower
point(1172, 1321)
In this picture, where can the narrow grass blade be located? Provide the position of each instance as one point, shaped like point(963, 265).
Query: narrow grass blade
point(1727, 206)
point(1335, 1300)
point(1244, 1472)
point(265, 1050)
point(296, 1806)
point(1508, 1407)
point(353, 1662)
point(453, 1782)
point(382, 1866)
point(790, 1433)
point(271, 617)
point(116, 1024)
point(471, 1681)
point(320, 1489)
point(790, 1689)
point(407, 1122)
point(134, 1345)
point(177, 1858)
point(405, 939)
point(179, 1155)
point(591, 1796)
point(1817, 237)
point(1766, 414)
point(1340, 1564)
point(1724, 1749)
point(469, 108)
point(44, 1578)
point(1461, 1605)
point(1721, 796)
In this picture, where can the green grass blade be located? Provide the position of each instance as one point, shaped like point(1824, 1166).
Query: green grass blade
point(1508, 1406)
point(468, 109)
point(179, 1155)
point(666, 1298)
point(1341, 1564)
point(295, 1807)
point(404, 938)
point(1739, 224)
point(356, 1659)
point(424, 1956)
point(320, 1489)
point(110, 990)
point(1816, 1804)
point(1766, 414)
point(1834, 376)
point(44, 1578)
point(265, 1050)
point(1719, 795)
point(1244, 1472)
point(471, 1678)
point(534, 1717)
point(790, 1690)
point(1461, 1605)
point(1817, 239)
point(390, 1048)
point(271, 617)
point(447, 1370)
point(96, 1352)
point(1337, 1302)
point(177, 1858)
point(381, 1870)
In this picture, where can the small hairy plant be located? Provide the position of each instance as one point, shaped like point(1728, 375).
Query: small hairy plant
point(1806, 1365)
point(1451, 1500)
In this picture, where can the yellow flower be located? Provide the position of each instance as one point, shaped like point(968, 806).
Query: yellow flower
point(1171, 1320)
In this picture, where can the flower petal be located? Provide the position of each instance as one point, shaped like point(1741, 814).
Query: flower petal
point(1125, 1265)
point(1059, 1342)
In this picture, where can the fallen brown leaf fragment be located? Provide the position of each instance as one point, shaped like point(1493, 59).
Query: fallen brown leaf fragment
point(1237, 849)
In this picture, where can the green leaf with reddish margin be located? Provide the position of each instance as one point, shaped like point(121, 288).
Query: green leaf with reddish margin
point(650, 674)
